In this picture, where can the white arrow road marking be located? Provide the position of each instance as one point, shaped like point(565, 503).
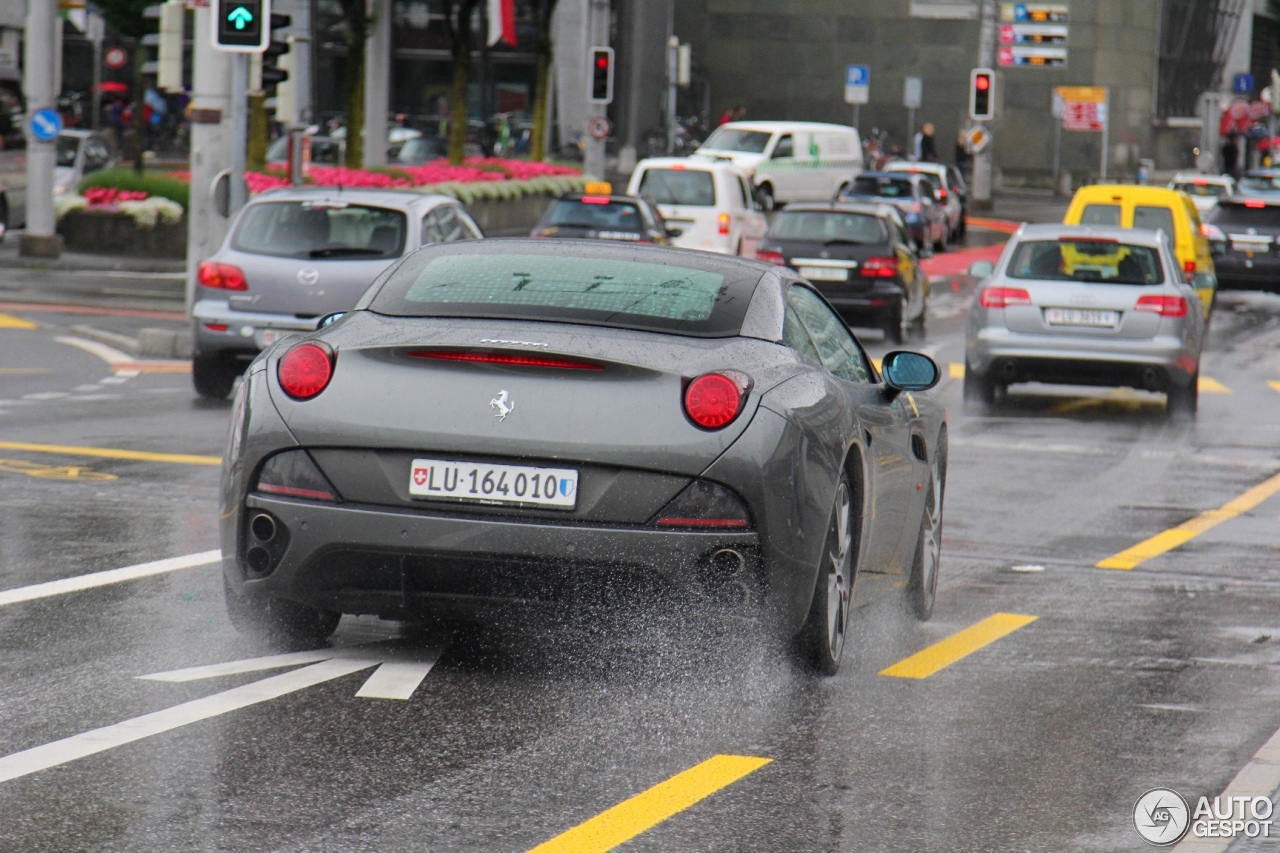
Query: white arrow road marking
point(397, 675)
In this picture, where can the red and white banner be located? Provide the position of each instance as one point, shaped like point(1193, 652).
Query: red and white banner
point(502, 22)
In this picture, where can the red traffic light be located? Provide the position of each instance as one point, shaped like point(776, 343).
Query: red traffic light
point(602, 61)
point(982, 82)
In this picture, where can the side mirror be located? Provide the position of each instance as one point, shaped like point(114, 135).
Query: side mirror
point(981, 269)
point(672, 231)
point(909, 371)
point(330, 319)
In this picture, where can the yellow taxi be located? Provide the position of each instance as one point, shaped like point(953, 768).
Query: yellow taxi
point(1157, 208)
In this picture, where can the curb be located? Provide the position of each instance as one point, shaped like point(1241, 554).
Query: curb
point(150, 343)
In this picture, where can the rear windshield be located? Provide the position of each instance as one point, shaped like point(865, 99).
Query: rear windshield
point(689, 297)
point(1100, 214)
point(1201, 189)
point(1104, 261)
point(599, 215)
point(1260, 184)
point(1155, 218)
point(828, 226)
point(691, 187)
point(1229, 215)
point(731, 139)
point(320, 229)
point(881, 187)
point(934, 179)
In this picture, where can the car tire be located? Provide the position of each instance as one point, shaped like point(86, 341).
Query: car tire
point(1183, 402)
point(213, 375)
point(895, 329)
point(4, 217)
point(822, 639)
point(764, 195)
point(923, 586)
point(920, 324)
point(276, 620)
point(979, 390)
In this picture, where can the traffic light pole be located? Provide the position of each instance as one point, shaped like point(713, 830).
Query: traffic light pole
point(982, 161)
point(40, 239)
point(598, 34)
point(239, 109)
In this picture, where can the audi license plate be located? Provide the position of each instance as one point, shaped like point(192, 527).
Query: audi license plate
point(825, 273)
point(481, 482)
point(1080, 317)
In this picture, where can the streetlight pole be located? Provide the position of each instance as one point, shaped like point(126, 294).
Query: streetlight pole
point(982, 161)
point(40, 69)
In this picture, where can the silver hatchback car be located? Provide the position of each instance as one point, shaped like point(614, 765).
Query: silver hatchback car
point(1084, 305)
point(295, 255)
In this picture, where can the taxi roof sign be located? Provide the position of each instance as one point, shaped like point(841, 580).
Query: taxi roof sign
point(598, 188)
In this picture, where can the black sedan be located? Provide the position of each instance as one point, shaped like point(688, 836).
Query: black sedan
point(536, 423)
point(860, 256)
point(621, 218)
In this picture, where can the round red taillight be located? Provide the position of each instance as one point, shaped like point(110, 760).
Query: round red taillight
point(712, 400)
point(305, 370)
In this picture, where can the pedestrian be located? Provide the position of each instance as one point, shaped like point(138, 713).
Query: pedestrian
point(740, 112)
point(1230, 156)
point(725, 117)
point(962, 154)
point(928, 150)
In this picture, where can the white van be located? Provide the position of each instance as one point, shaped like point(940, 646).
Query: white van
point(708, 200)
point(789, 160)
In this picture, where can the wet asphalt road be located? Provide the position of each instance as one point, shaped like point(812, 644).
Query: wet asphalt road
point(1164, 675)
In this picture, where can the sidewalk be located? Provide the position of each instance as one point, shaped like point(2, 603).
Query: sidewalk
point(10, 259)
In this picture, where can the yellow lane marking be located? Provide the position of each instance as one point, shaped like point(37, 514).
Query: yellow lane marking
point(956, 370)
point(154, 366)
point(1275, 386)
point(1212, 386)
point(646, 810)
point(941, 655)
point(1188, 530)
point(13, 371)
point(111, 453)
point(52, 472)
point(8, 321)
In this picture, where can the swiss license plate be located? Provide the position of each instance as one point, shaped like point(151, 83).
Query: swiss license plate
point(825, 273)
point(1250, 246)
point(1081, 317)
point(482, 482)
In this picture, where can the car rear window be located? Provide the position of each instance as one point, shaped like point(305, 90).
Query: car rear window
point(1260, 183)
point(1237, 215)
point(1155, 218)
point(1100, 214)
point(692, 187)
point(596, 213)
point(826, 226)
point(881, 187)
point(934, 179)
point(732, 139)
point(320, 229)
point(1203, 188)
point(688, 297)
point(1094, 261)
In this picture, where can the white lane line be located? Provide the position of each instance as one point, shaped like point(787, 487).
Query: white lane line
point(99, 740)
point(159, 276)
point(1259, 778)
point(398, 679)
point(128, 573)
point(92, 397)
point(237, 667)
point(110, 355)
point(86, 389)
point(114, 380)
point(47, 395)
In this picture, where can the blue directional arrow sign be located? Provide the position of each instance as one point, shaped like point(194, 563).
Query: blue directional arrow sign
point(46, 125)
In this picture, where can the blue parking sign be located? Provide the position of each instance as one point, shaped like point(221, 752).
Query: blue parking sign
point(1242, 84)
point(857, 75)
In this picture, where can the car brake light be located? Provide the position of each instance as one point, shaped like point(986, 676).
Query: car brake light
point(771, 257)
point(713, 400)
point(1003, 297)
point(1189, 266)
point(724, 223)
point(1165, 306)
point(879, 268)
point(1253, 204)
point(216, 327)
point(942, 192)
point(514, 359)
point(677, 167)
point(221, 276)
point(1200, 182)
point(594, 199)
point(305, 370)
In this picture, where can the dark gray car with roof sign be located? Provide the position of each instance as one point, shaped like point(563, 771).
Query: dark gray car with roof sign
point(531, 423)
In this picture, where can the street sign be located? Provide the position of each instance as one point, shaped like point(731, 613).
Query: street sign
point(979, 138)
point(46, 124)
point(1031, 56)
point(598, 127)
point(1084, 107)
point(240, 26)
point(1242, 84)
point(1034, 13)
point(857, 84)
point(115, 58)
point(1033, 33)
point(912, 92)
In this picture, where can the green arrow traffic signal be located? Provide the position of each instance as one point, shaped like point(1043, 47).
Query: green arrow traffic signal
point(240, 17)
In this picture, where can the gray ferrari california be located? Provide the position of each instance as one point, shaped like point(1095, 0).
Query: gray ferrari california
point(545, 423)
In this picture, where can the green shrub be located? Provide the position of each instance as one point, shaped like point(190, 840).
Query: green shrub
point(174, 189)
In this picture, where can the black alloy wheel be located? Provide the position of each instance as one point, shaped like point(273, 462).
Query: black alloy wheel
point(825, 629)
point(924, 570)
point(895, 322)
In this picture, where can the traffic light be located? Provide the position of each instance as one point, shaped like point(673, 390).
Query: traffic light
point(239, 25)
point(601, 75)
point(981, 94)
point(275, 68)
point(170, 47)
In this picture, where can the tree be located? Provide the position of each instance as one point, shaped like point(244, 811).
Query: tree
point(545, 49)
point(457, 20)
point(357, 36)
point(126, 18)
